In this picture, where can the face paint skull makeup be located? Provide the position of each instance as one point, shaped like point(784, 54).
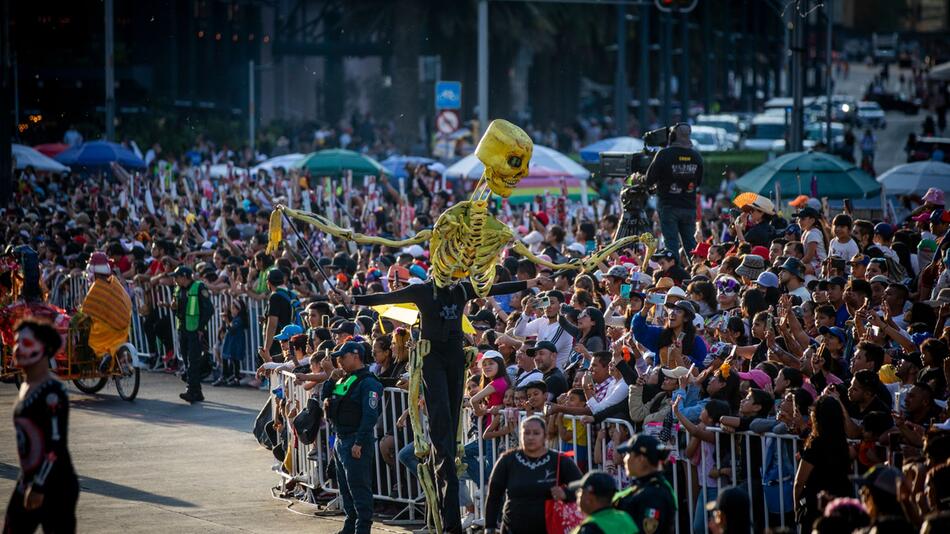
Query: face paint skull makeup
point(27, 350)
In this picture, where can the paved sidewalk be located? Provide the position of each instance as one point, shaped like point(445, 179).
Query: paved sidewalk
point(160, 465)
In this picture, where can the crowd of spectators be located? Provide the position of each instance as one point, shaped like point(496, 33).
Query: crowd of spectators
point(829, 326)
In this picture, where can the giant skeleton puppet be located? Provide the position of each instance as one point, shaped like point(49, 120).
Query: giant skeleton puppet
point(465, 246)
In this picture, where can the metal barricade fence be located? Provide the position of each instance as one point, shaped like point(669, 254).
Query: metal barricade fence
point(308, 463)
point(151, 310)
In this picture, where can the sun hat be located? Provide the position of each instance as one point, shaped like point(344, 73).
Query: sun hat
point(751, 267)
point(933, 196)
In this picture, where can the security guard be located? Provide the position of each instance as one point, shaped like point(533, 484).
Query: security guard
point(594, 493)
point(353, 405)
point(651, 501)
point(194, 309)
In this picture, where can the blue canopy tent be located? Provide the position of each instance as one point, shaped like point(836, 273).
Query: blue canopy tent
point(396, 165)
point(98, 156)
point(591, 153)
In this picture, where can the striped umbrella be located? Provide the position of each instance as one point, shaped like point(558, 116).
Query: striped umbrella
point(541, 179)
point(470, 167)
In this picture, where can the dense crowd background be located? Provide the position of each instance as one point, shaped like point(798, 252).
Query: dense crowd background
point(790, 319)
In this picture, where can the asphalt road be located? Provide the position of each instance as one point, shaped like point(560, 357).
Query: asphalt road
point(160, 465)
point(890, 141)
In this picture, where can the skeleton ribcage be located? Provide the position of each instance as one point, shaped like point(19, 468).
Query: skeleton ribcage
point(463, 247)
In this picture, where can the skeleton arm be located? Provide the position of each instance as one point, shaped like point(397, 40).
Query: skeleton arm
point(588, 263)
point(328, 227)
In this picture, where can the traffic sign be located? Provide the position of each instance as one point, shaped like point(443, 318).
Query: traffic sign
point(447, 121)
point(448, 95)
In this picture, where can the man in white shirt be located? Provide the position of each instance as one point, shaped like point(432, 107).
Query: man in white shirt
point(792, 276)
point(600, 386)
point(546, 327)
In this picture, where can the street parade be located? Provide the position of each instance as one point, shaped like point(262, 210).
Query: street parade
point(655, 293)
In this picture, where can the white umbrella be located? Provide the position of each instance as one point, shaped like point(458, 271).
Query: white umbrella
point(222, 170)
point(940, 72)
point(28, 157)
point(916, 178)
point(286, 161)
point(470, 167)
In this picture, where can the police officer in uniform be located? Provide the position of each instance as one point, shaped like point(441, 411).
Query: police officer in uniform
point(193, 308)
point(650, 501)
point(352, 405)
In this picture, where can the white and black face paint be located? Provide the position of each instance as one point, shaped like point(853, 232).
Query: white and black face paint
point(27, 350)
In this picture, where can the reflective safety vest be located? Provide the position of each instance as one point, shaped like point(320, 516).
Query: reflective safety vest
point(192, 307)
point(611, 520)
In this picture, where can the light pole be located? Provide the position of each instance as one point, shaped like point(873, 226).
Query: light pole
point(110, 72)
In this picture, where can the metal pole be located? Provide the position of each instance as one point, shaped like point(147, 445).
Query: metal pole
point(707, 60)
point(110, 72)
point(250, 105)
point(16, 91)
point(798, 80)
point(643, 85)
point(483, 64)
point(667, 68)
point(684, 68)
point(620, 78)
point(828, 82)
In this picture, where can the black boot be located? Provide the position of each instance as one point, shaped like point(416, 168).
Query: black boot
point(191, 396)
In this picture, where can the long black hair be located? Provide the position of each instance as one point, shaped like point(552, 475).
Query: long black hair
point(666, 336)
point(599, 328)
point(827, 430)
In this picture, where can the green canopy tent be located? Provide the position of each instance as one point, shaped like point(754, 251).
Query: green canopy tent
point(335, 162)
point(793, 172)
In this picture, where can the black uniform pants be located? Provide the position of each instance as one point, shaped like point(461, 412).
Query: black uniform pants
point(443, 371)
point(190, 346)
point(57, 514)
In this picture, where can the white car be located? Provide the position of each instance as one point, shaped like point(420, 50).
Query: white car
point(871, 114)
point(729, 123)
point(818, 132)
point(709, 139)
point(767, 133)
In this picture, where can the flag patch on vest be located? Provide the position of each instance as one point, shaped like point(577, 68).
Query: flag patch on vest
point(373, 399)
point(651, 520)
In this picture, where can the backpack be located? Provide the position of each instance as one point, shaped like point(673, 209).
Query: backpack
point(296, 308)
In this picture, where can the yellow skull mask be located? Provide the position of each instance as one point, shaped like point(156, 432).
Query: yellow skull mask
point(505, 150)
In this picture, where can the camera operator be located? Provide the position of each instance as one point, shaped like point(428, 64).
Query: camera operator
point(677, 172)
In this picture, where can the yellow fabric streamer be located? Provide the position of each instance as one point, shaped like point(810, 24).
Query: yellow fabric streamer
point(275, 232)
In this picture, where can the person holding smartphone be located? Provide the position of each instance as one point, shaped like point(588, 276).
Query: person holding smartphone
point(675, 341)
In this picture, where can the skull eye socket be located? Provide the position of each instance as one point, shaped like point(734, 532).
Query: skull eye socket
point(514, 161)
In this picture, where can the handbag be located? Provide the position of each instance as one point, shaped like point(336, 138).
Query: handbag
point(308, 421)
point(561, 517)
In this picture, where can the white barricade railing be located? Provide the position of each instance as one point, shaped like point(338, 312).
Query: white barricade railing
point(393, 483)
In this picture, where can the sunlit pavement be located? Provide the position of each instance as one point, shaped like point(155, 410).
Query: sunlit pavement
point(160, 465)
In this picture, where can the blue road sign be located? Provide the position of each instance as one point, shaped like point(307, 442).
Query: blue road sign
point(448, 95)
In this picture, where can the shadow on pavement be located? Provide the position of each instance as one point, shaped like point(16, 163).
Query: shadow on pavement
point(108, 489)
point(168, 413)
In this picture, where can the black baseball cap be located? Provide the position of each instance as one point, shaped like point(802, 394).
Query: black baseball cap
point(182, 270)
point(545, 344)
point(807, 211)
point(345, 327)
point(733, 502)
point(837, 281)
point(664, 254)
point(596, 482)
point(275, 276)
point(646, 445)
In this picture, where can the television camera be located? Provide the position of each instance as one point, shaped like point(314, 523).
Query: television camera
point(632, 168)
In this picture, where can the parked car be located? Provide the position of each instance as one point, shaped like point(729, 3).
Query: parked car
point(817, 132)
point(871, 115)
point(729, 123)
point(894, 102)
point(709, 139)
point(767, 132)
point(843, 109)
point(926, 146)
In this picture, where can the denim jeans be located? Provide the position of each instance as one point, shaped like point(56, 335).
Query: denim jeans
point(471, 461)
point(678, 226)
point(700, 516)
point(356, 490)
